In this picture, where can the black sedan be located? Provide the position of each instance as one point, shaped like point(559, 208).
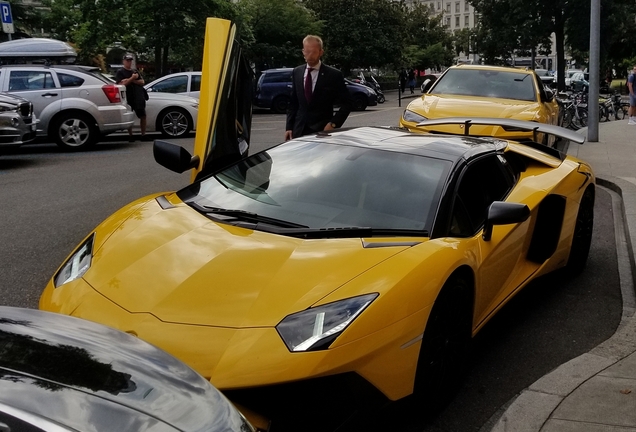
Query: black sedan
point(59, 373)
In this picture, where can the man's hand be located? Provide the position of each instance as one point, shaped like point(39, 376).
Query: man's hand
point(288, 135)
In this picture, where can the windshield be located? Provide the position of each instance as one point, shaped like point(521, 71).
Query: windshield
point(328, 186)
point(486, 83)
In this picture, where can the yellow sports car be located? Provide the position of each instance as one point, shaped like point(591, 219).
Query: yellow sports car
point(485, 91)
point(362, 260)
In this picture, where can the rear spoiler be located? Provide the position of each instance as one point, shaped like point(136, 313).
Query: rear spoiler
point(509, 125)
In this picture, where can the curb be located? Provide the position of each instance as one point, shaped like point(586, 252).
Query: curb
point(534, 406)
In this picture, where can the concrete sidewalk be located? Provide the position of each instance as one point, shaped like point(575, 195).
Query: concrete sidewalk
point(596, 391)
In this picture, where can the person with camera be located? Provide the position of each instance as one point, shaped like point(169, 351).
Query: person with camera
point(135, 92)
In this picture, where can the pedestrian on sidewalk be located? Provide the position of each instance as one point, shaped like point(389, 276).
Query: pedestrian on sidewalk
point(631, 85)
point(412, 81)
point(135, 92)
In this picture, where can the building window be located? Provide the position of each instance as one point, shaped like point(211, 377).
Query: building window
point(466, 6)
point(447, 21)
point(448, 7)
point(432, 6)
point(439, 5)
point(466, 20)
point(456, 7)
point(456, 21)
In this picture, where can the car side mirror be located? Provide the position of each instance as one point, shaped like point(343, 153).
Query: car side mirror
point(549, 95)
point(427, 84)
point(174, 157)
point(504, 213)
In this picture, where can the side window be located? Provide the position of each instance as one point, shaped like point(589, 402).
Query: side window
point(278, 77)
point(30, 80)
point(67, 80)
point(178, 84)
point(195, 84)
point(482, 182)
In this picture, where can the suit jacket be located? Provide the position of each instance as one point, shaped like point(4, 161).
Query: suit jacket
point(304, 118)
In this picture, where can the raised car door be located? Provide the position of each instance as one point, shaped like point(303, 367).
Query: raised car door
point(225, 102)
point(502, 263)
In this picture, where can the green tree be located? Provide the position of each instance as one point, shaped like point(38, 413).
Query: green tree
point(277, 28)
point(361, 33)
point(430, 43)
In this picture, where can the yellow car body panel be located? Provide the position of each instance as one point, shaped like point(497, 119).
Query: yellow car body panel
point(435, 106)
point(212, 293)
point(219, 36)
point(220, 319)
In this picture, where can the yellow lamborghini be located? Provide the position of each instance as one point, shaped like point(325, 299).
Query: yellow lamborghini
point(360, 261)
point(485, 91)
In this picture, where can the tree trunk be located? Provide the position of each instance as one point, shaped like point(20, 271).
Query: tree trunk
point(559, 36)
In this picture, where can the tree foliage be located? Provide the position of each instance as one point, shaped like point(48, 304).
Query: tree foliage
point(277, 30)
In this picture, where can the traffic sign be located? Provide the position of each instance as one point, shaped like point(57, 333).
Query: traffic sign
point(7, 19)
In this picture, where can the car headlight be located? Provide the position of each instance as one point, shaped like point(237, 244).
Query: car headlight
point(77, 264)
point(315, 328)
point(410, 116)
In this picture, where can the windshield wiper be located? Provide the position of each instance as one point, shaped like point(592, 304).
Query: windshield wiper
point(346, 232)
point(244, 215)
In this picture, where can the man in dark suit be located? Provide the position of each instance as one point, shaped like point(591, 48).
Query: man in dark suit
point(316, 88)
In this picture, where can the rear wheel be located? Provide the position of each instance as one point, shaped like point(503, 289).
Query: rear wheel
point(174, 122)
point(445, 342)
point(567, 118)
point(74, 131)
point(280, 104)
point(582, 236)
point(619, 114)
point(359, 103)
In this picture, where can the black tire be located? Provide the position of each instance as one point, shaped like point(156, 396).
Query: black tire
point(567, 119)
point(619, 114)
point(582, 236)
point(280, 104)
point(381, 98)
point(74, 131)
point(174, 122)
point(442, 358)
point(359, 103)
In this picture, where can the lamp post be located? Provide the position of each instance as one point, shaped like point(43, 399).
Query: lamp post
point(594, 70)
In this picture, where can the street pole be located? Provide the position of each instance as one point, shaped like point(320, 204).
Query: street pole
point(594, 70)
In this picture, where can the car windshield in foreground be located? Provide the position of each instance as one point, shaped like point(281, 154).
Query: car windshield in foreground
point(486, 83)
point(316, 190)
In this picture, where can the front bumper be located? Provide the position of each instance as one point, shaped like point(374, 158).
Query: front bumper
point(16, 130)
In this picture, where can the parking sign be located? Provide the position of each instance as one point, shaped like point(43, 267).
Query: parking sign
point(7, 19)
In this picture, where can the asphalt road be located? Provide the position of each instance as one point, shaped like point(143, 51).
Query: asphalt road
point(50, 200)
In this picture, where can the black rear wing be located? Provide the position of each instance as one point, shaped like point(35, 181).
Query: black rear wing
point(509, 125)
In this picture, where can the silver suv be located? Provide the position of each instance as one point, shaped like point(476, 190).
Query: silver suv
point(75, 105)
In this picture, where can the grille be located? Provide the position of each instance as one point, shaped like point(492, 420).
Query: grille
point(25, 109)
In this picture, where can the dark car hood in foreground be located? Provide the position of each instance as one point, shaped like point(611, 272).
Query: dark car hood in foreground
point(93, 378)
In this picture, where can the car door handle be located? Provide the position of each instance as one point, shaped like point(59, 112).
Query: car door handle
point(49, 94)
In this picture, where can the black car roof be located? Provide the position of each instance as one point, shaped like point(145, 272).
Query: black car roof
point(449, 147)
point(53, 356)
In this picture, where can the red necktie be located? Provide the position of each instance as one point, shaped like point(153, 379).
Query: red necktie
point(308, 89)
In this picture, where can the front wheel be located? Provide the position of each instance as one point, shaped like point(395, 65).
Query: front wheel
point(381, 98)
point(174, 122)
point(445, 342)
point(74, 131)
point(619, 114)
point(359, 103)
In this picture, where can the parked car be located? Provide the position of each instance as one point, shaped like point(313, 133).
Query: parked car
point(173, 115)
point(17, 121)
point(75, 105)
point(184, 83)
point(485, 91)
point(568, 77)
point(360, 260)
point(546, 77)
point(273, 91)
point(59, 373)
point(580, 81)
